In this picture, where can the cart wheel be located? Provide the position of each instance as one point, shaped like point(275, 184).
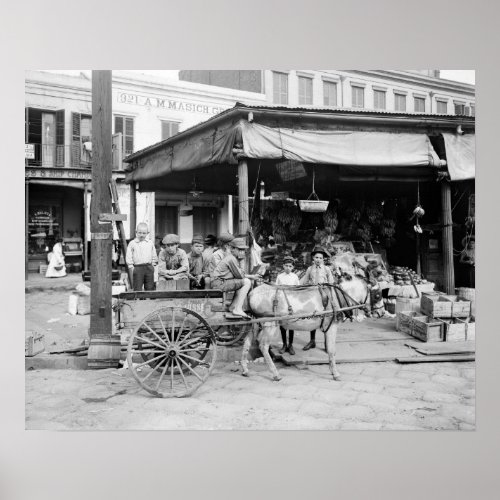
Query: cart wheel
point(230, 334)
point(172, 352)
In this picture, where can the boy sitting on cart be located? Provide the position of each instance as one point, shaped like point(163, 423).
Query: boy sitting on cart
point(228, 276)
point(173, 262)
point(198, 264)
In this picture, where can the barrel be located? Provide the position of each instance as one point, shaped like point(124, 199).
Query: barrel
point(104, 352)
point(468, 294)
point(406, 304)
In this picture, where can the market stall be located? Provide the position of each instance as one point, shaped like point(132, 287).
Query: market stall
point(370, 170)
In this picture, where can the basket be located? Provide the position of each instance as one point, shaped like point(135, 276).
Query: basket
point(316, 205)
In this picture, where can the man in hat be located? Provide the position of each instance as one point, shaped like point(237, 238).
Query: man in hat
point(317, 274)
point(173, 263)
point(221, 252)
point(198, 264)
point(228, 276)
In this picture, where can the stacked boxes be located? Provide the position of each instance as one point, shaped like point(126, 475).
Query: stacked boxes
point(442, 318)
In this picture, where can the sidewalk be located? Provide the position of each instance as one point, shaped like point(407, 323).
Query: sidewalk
point(39, 283)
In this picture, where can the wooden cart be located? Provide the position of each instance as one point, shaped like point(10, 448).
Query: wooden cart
point(173, 340)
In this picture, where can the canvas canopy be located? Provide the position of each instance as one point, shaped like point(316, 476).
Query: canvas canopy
point(460, 153)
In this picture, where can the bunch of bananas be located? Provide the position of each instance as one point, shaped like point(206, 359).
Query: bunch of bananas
point(374, 213)
point(330, 220)
point(388, 228)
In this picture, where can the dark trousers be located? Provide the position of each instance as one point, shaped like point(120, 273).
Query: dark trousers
point(144, 274)
point(283, 336)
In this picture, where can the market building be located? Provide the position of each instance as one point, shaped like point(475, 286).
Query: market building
point(58, 137)
point(372, 167)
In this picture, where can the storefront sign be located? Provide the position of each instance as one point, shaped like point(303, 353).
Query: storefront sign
point(58, 173)
point(165, 103)
point(29, 151)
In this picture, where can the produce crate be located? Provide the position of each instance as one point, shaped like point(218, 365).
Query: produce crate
point(459, 330)
point(440, 305)
point(427, 329)
point(43, 269)
point(34, 344)
point(405, 321)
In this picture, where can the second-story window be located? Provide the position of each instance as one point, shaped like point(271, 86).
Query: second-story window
point(379, 99)
point(280, 88)
point(305, 90)
point(419, 104)
point(329, 94)
point(400, 102)
point(81, 140)
point(358, 97)
point(459, 108)
point(442, 107)
point(168, 129)
point(472, 110)
point(125, 125)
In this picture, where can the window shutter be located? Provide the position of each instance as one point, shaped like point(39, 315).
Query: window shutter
point(467, 110)
point(35, 134)
point(118, 125)
point(129, 136)
point(60, 138)
point(75, 143)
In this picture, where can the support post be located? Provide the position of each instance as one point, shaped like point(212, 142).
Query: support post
point(85, 227)
point(133, 209)
point(104, 350)
point(449, 272)
point(243, 221)
point(230, 227)
point(26, 225)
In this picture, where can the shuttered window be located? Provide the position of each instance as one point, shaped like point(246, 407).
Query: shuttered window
point(442, 107)
point(472, 110)
point(358, 97)
point(60, 138)
point(419, 103)
point(305, 90)
point(125, 126)
point(459, 109)
point(280, 88)
point(400, 102)
point(168, 129)
point(75, 142)
point(329, 94)
point(379, 99)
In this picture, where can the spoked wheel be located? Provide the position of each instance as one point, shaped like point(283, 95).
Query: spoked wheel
point(230, 334)
point(172, 352)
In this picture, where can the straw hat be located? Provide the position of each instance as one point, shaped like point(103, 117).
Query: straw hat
point(319, 249)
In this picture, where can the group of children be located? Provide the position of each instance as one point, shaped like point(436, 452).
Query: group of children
point(218, 259)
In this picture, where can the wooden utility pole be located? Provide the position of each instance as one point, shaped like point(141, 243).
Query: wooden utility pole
point(26, 225)
point(449, 271)
point(243, 217)
point(104, 349)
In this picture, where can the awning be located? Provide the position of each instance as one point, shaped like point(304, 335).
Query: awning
point(347, 149)
point(460, 155)
point(374, 149)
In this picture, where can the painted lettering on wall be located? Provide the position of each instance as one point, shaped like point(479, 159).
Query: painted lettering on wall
point(165, 103)
point(53, 173)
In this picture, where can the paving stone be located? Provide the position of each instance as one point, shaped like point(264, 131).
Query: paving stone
point(401, 427)
point(412, 405)
point(377, 401)
point(351, 368)
point(413, 376)
point(437, 422)
point(317, 409)
point(362, 387)
point(424, 387)
point(381, 370)
point(448, 380)
point(335, 396)
point(299, 391)
point(449, 369)
point(466, 427)
point(440, 397)
point(388, 418)
point(466, 414)
point(394, 382)
point(468, 373)
point(357, 412)
point(401, 393)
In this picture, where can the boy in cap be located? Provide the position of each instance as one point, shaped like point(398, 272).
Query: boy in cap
point(228, 276)
point(141, 257)
point(173, 262)
point(198, 264)
point(317, 274)
point(221, 252)
point(288, 278)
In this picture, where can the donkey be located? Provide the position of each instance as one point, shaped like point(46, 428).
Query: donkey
point(272, 300)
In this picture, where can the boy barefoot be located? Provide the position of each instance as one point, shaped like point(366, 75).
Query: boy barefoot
point(141, 257)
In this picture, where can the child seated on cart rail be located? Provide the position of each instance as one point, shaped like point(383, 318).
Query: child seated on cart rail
point(173, 263)
point(141, 258)
point(228, 276)
point(287, 277)
point(198, 264)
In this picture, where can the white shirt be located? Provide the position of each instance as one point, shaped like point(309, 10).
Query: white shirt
point(287, 279)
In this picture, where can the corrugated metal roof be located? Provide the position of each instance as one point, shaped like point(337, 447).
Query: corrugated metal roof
point(242, 107)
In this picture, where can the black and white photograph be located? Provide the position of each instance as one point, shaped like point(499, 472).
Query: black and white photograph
point(287, 249)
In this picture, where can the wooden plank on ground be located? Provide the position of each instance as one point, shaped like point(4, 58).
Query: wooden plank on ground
point(441, 358)
point(433, 348)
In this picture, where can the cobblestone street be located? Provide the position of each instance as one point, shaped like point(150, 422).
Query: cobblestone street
point(371, 396)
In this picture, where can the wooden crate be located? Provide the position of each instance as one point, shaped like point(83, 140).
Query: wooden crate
point(405, 319)
point(34, 344)
point(427, 329)
point(459, 330)
point(440, 305)
point(406, 304)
